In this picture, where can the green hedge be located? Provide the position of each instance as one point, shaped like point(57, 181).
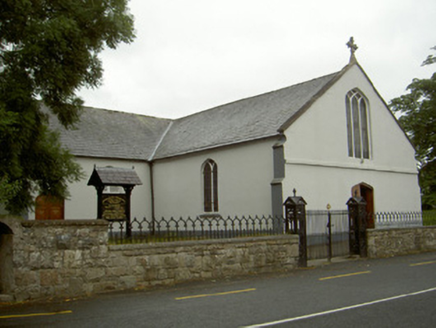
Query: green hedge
point(429, 218)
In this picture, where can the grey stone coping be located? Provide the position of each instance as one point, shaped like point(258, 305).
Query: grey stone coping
point(53, 223)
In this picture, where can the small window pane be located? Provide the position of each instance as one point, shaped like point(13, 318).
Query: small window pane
point(210, 186)
point(364, 125)
point(207, 184)
point(349, 127)
point(356, 129)
point(215, 188)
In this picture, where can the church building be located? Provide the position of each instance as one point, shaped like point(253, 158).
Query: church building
point(329, 138)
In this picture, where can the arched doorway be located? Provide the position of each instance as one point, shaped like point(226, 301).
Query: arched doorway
point(6, 263)
point(366, 191)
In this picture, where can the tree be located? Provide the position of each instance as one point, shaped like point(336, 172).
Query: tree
point(417, 111)
point(48, 51)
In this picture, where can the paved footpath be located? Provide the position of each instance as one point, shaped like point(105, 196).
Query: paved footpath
point(394, 292)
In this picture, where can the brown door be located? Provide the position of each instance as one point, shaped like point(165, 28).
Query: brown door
point(367, 193)
point(49, 208)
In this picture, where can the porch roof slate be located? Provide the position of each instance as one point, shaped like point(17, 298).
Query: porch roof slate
point(114, 176)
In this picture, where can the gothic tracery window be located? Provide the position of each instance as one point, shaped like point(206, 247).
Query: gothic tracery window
point(358, 127)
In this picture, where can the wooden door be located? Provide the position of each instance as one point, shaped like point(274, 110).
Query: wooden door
point(49, 208)
point(367, 193)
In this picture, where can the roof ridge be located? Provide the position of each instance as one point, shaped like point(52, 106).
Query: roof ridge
point(126, 113)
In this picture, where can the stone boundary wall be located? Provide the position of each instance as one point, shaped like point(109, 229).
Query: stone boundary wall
point(72, 258)
point(400, 241)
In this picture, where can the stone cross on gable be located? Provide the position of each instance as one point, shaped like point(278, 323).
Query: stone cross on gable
point(353, 47)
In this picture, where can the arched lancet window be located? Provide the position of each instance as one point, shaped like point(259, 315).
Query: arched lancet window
point(210, 186)
point(357, 124)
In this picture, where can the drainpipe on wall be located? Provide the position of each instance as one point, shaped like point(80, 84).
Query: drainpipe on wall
point(279, 175)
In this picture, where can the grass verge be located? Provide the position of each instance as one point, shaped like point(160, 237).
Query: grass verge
point(429, 218)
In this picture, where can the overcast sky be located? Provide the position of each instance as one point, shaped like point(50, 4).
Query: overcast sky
point(192, 55)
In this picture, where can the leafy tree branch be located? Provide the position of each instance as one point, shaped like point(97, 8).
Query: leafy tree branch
point(417, 110)
point(48, 51)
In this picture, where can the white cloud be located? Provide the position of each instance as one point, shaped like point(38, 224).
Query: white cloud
point(195, 54)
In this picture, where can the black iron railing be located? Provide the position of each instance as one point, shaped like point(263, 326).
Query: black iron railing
point(198, 228)
point(216, 227)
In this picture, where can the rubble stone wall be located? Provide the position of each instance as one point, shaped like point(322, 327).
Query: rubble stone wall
point(401, 241)
point(70, 258)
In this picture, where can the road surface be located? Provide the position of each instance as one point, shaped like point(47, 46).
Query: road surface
point(395, 292)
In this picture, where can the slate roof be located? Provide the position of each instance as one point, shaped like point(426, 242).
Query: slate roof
point(248, 119)
point(111, 134)
point(114, 176)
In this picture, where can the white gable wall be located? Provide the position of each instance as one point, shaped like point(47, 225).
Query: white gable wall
point(316, 153)
point(245, 173)
point(82, 203)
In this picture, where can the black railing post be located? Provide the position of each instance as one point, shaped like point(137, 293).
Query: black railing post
point(295, 223)
point(128, 191)
point(357, 222)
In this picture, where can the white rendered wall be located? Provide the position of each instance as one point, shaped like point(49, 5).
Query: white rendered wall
point(245, 173)
point(330, 185)
point(316, 152)
point(82, 203)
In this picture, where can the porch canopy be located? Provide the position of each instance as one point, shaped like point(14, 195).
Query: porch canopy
point(114, 176)
point(113, 206)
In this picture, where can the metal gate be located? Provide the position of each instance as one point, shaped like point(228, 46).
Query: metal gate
point(327, 234)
